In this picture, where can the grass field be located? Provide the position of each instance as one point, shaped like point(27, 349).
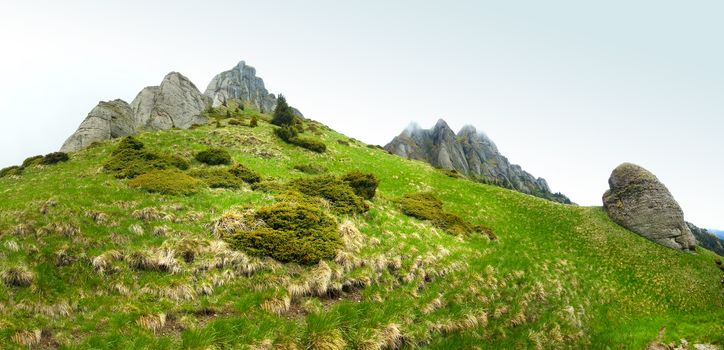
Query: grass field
point(113, 267)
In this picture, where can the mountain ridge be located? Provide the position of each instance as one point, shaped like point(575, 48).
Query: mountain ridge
point(468, 152)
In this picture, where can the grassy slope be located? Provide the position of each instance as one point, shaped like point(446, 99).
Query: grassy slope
point(559, 276)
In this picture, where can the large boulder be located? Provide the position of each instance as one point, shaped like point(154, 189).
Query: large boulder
point(107, 120)
point(175, 103)
point(638, 201)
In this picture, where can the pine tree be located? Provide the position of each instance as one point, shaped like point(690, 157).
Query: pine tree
point(283, 114)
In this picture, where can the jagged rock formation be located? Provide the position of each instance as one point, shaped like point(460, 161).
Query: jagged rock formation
point(470, 153)
point(241, 83)
point(638, 201)
point(175, 103)
point(706, 239)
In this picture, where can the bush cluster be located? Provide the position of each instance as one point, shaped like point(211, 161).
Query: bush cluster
point(334, 190)
point(426, 206)
point(245, 174)
point(48, 159)
point(363, 184)
point(167, 181)
point(55, 157)
point(313, 169)
point(217, 178)
point(290, 135)
point(30, 161)
point(131, 159)
point(214, 156)
point(292, 232)
point(11, 171)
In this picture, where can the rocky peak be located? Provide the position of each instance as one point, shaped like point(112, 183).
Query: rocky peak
point(469, 152)
point(638, 201)
point(241, 83)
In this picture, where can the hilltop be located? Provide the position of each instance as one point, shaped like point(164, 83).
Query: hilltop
point(179, 238)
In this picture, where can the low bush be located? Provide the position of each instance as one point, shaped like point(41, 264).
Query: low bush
point(313, 169)
point(343, 142)
point(254, 122)
point(54, 158)
point(310, 144)
point(363, 184)
point(168, 181)
point(286, 133)
point(426, 206)
point(236, 122)
point(35, 160)
point(217, 178)
point(11, 171)
point(245, 174)
point(334, 190)
point(131, 159)
point(291, 232)
point(214, 156)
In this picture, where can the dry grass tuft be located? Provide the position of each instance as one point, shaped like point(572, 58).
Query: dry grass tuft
point(45, 207)
point(154, 260)
point(327, 340)
point(277, 306)
point(148, 214)
point(18, 277)
point(104, 263)
point(98, 217)
point(28, 338)
point(161, 230)
point(153, 322)
point(351, 237)
point(12, 246)
point(136, 229)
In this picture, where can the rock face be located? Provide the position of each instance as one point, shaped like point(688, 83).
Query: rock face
point(470, 153)
point(638, 201)
point(107, 120)
point(706, 239)
point(174, 103)
point(241, 83)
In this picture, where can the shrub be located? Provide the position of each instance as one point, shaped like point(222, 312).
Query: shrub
point(245, 174)
point(292, 232)
point(343, 142)
point(286, 133)
point(131, 159)
point(310, 144)
point(214, 156)
point(217, 178)
point(426, 206)
point(254, 122)
point(35, 160)
point(169, 181)
point(283, 114)
point(331, 188)
point(363, 184)
point(11, 171)
point(313, 169)
point(55, 157)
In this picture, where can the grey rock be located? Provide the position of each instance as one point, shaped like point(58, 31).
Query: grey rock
point(638, 201)
point(175, 103)
point(107, 120)
point(706, 239)
point(469, 152)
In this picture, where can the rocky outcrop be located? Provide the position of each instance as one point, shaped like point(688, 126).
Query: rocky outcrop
point(638, 201)
point(107, 120)
point(176, 102)
point(468, 152)
point(241, 83)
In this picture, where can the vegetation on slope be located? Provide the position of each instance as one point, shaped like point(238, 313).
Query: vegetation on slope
point(91, 262)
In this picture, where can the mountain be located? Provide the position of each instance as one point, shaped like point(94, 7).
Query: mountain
point(719, 233)
point(225, 236)
point(175, 103)
point(470, 153)
point(707, 239)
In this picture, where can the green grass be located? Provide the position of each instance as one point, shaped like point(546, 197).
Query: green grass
point(557, 277)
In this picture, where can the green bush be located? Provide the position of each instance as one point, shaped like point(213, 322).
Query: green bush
point(283, 114)
point(363, 184)
point(254, 122)
point(286, 133)
point(35, 160)
point(55, 157)
point(131, 159)
point(426, 206)
point(310, 144)
point(313, 169)
point(169, 181)
point(334, 190)
point(214, 156)
point(245, 174)
point(11, 171)
point(294, 232)
point(217, 178)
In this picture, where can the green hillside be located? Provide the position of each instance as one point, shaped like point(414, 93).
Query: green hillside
point(90, 262)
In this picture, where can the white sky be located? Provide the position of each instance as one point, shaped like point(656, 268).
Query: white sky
point(566, 89)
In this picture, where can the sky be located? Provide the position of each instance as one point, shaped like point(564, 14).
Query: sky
point(567, 89)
